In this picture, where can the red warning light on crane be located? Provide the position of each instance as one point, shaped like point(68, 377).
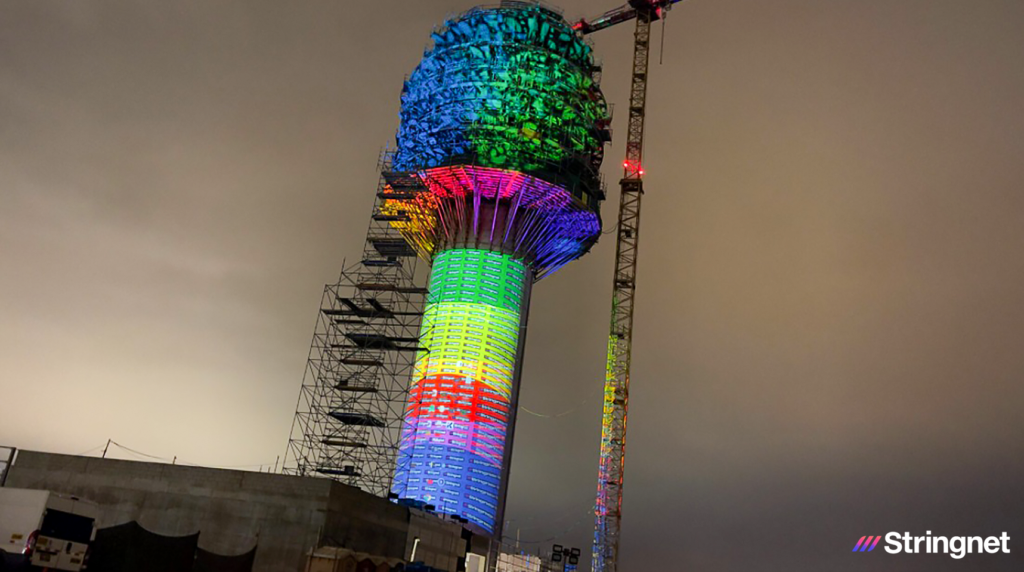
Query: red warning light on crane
point(632, 169)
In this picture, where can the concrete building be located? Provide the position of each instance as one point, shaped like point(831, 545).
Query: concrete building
point(286, 516)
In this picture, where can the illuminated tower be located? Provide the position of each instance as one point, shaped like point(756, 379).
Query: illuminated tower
point(496, 183)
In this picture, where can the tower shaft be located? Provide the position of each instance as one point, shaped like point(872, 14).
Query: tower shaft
point(460, 415)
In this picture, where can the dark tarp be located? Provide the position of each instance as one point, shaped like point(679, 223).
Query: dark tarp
point(131, 548)
point(210, 562)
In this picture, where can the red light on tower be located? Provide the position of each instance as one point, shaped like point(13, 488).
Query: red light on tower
point(633, 170)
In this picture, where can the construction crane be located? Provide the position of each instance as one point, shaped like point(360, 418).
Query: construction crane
point(608, 506)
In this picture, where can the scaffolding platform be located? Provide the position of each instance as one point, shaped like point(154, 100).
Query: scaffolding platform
point(336, 443)
point(361, 362)
point(377, 341)
point(392, 247)
point(397, 217)
point(392, 288)
point(376, 263)
point(355, 388)
point(362, 419)
point(348, 471)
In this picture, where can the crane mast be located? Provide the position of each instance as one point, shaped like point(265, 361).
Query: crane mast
point(608, 508)
point(608, 505)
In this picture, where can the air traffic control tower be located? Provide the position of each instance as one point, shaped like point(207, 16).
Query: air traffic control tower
point(496, 183)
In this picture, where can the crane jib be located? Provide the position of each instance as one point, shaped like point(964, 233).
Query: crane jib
point(655, 8)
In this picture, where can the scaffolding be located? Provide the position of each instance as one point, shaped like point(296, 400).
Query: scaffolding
point(7, 455)
point(348, 419)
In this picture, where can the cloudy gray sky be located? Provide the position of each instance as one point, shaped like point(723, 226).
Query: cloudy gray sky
point(830, 326)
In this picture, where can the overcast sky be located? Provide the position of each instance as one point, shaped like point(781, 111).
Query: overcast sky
point(830, 323)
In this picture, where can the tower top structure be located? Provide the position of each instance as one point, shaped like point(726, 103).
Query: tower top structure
point(504, 107)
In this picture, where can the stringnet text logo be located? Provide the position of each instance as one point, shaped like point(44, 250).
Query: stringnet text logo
point(955, 546)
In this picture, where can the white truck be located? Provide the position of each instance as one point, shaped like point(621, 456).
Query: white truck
point(49, 530)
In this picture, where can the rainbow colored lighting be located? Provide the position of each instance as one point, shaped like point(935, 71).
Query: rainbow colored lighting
point(506, 88)
point(540, 222)
point(458, 413)
point(495, 181)
point(607, 456)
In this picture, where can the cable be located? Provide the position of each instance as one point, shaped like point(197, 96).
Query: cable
point(140, 452)
point(562, 414)
point(187, 463)
point(91, 450)
point(543, 416)
point(181, 462)
point(661, 56)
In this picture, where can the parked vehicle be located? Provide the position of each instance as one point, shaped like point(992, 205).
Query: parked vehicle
point(50, 530)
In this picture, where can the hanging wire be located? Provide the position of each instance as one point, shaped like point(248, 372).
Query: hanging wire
point(543, 416)
point(581, 403)
point(129, 449)
point(186, 463)
point(661, 56)
point(96, 448)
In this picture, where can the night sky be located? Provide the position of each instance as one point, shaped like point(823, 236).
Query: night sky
point(830, 323)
